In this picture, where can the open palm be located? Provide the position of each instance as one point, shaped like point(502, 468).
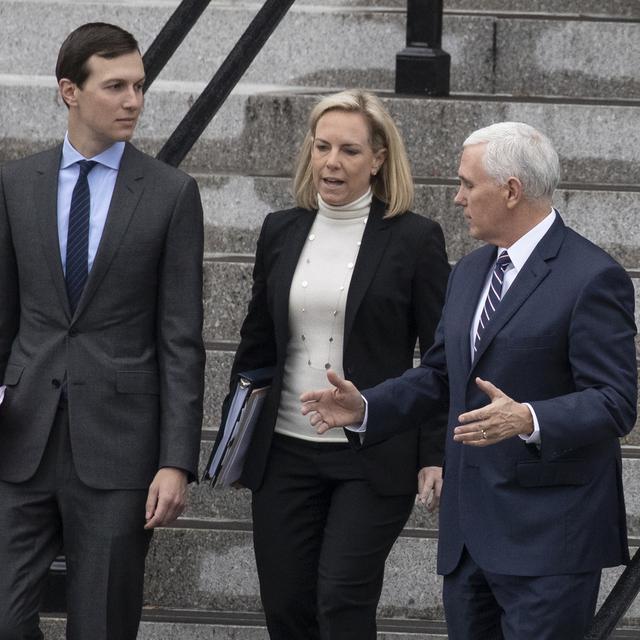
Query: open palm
point(337, 406)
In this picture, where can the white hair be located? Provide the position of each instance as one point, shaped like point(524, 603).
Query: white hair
point(517, 149)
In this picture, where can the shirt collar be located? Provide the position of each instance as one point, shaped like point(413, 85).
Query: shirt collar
point(110, 157)
point(520, 250)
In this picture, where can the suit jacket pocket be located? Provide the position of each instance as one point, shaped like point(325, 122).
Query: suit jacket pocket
point(550, 474)
point(137, 382)
point(12, 374)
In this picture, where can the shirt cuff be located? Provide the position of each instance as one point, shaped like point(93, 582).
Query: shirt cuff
point(362, 427)
point(2, 394)
point(534, 438)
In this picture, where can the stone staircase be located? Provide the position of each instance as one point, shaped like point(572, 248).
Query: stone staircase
point(571, 69)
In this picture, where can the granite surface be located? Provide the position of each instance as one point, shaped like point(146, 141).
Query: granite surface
point(235, 207)
point(215, 570)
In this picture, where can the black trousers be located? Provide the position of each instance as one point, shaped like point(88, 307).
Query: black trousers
point(321, 538)
point(104, 542)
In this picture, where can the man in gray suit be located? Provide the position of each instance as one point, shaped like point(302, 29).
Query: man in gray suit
point(100, 350)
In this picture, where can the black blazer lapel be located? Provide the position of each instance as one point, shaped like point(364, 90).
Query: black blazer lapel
point(374, 242)
point(126, 195)
point(45, 190)
point(532, 274)
point(285, 268)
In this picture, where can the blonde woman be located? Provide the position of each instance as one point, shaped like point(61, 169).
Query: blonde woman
point(349, 279)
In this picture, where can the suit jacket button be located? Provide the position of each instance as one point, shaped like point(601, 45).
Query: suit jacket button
point(55, 383)
point(73, 333)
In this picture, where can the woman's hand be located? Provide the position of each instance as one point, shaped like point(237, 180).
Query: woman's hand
point(429, 487)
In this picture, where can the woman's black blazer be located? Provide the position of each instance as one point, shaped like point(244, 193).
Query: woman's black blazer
point(395, 296)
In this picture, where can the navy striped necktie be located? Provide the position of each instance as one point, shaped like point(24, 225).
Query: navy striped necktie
point(77, 265)
point(494, 296)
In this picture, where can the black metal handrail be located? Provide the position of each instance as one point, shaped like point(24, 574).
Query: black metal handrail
point(170, 37)
point(225, 79)
point(618, 601)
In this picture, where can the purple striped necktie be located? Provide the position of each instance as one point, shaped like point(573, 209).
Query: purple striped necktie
point(493, 298)
point(77, 265)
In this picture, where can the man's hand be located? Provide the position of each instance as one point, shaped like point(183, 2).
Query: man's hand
point(167, 497)
point(429, 487)
point(501, 419)
point(337, 407)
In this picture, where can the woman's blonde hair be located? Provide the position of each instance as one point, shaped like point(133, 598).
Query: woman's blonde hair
point(392, 184)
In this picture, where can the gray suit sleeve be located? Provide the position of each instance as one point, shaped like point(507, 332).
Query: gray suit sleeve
point(179, 327)
point(9, 296)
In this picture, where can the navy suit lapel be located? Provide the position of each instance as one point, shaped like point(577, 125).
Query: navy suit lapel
point(374, 242)
point(532, 274)
point(293, 243)
point(46, 211)
point(126, 195)
point(474, 276)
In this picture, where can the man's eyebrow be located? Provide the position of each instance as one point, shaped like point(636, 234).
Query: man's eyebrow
point(118, 79)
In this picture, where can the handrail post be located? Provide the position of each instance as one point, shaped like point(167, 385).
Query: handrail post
point(422, 68)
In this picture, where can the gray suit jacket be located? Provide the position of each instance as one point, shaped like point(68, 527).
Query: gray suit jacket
point(132, 353)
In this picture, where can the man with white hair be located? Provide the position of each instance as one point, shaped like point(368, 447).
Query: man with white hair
point(535, 357)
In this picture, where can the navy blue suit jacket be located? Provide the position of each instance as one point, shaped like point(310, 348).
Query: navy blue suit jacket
point(562, 339)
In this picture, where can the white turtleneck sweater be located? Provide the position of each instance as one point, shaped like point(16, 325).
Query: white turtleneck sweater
point(317, 303)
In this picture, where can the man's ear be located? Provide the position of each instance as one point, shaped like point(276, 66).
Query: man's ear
point(515, 192)
point(68, 91)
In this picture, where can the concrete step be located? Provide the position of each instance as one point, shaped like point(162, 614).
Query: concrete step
point(213, 569)
point(227, 292)
point(234, 505)
point(314, 46)
point(617, 8)
point(261, 133)
point(235, 207)
point(196, 625)
point(248, 627)
point(596, 141)
point(217, 376)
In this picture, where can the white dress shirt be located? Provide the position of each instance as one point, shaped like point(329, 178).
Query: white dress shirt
point(102, 181)
point(519, 253)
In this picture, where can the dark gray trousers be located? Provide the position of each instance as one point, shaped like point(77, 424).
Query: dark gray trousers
point(102, 534)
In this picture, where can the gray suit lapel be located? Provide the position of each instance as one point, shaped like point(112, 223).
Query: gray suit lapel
point(126, 195)
point(45, 196)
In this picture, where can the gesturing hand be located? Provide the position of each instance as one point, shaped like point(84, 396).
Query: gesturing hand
point(501, 419)
point(338, 406)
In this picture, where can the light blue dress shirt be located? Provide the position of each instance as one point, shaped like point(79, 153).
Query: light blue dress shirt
point(102, 180)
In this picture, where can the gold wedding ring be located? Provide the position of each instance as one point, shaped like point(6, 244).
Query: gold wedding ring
point(484, 434)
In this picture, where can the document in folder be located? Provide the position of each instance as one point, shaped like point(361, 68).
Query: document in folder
point(227, 459)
